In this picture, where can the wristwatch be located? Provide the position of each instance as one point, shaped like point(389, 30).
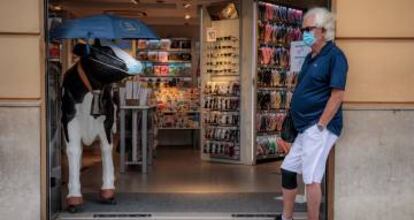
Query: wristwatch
point(321, 127)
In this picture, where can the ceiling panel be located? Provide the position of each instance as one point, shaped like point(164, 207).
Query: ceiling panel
point(150, 11)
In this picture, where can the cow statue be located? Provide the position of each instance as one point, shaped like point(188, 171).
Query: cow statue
point(88, 112)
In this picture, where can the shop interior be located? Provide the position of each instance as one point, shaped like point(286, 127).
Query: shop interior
point(215, 88)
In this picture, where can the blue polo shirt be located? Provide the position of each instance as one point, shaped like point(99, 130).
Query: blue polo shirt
point(318, 76)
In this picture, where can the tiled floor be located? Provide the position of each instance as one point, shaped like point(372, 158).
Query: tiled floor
point(179, 182)
point(180, 170)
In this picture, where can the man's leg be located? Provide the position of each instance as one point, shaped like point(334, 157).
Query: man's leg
point(316, 145)
point(289, 190)
point(291, 165)
point(314, 195)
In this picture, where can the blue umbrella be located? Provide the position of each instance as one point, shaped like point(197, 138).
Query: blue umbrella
point(103, 26)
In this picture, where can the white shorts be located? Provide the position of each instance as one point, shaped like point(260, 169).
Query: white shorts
point(309, 153)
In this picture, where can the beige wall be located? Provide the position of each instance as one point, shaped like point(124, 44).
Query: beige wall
point(379, 70)
point(373, 158)
point(378, 38)
point(375, 18)
point(20, 40)
point(22, 110)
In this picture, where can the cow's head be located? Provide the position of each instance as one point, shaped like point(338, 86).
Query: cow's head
point(106, 63)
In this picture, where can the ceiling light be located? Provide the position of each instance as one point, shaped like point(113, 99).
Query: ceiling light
point(187, 17)
point(134, 2)
point(57, 8)
point(186, 5)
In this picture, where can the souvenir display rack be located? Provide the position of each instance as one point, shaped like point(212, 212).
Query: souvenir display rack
point(177, 108)
point(220, 130)
point(168, 71)
point(165, 58)
point(278, 26)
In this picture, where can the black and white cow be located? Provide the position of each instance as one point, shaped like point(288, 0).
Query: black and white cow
point(99, 66)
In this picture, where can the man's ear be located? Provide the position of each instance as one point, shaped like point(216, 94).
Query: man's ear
point(80, 49)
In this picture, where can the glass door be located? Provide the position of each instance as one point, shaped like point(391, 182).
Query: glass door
point(54, 134)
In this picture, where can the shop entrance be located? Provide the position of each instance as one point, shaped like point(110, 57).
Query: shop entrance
point(207, 151)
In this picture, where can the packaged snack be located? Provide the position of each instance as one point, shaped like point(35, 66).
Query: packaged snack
point(153, 44)
point(142, 44)
point(165, 44)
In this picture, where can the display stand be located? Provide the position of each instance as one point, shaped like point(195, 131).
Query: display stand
point(135, 99)
point(146, 151)
point(220, 85)
point(168, 70)
point(277, 27)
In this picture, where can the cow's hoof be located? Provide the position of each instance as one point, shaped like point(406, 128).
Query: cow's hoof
point(74, 204)
point(109, 201)
point(74, 209)
point(107, 196)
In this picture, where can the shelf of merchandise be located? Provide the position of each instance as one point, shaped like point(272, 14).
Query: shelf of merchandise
point(178, 50)
point(223, 126)
point(176, 128)
point(270, 156)
point(166, 62)
point(168, 76)
point(267, 133)
point(205, 110)
point(220, 141)
point(174, 112)
point(210, 75)
point(222, 96)
point(54, 60)
point(162, 78)
point(224, 75)
point(260, 67)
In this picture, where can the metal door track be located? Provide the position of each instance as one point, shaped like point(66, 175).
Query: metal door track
point(173, 216)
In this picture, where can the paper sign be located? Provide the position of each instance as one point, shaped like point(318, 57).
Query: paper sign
point(211, 35)
point(298, 52)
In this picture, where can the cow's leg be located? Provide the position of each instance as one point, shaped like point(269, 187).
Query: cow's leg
point(74, 154)
point(107, 193)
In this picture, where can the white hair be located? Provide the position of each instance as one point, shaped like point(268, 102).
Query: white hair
point(324, 19)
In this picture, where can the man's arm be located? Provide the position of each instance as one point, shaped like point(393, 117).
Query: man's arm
point(334, 102)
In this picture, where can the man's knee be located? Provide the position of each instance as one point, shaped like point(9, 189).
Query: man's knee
point(289, 179)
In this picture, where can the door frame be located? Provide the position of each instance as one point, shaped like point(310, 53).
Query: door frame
point(45, 176)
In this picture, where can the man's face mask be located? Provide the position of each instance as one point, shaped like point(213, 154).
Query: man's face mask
point(309, 38)
point(308, 35)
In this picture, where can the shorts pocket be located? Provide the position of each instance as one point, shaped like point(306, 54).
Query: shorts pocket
point(315, 132)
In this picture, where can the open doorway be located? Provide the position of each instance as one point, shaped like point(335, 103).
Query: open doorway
point(187, 173)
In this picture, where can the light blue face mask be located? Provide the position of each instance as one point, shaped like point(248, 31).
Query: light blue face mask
point(309, 38)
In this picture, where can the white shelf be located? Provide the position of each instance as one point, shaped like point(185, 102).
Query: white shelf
point(165, 76)
point(270, 156)
point(174, 112)
point(167, 62)
point(160, 128)
point(227, 127)
point(136, 107)
point(165, 50)
point(272, 88)
point(221, 111)
point(222, 96)
point(268, 133)
point(219, 142)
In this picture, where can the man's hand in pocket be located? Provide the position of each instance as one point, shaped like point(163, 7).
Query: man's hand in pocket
point(284, 146)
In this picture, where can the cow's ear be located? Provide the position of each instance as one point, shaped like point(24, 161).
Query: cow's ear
point(80, 49)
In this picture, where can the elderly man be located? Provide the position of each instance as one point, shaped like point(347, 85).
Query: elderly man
point(316, 112)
